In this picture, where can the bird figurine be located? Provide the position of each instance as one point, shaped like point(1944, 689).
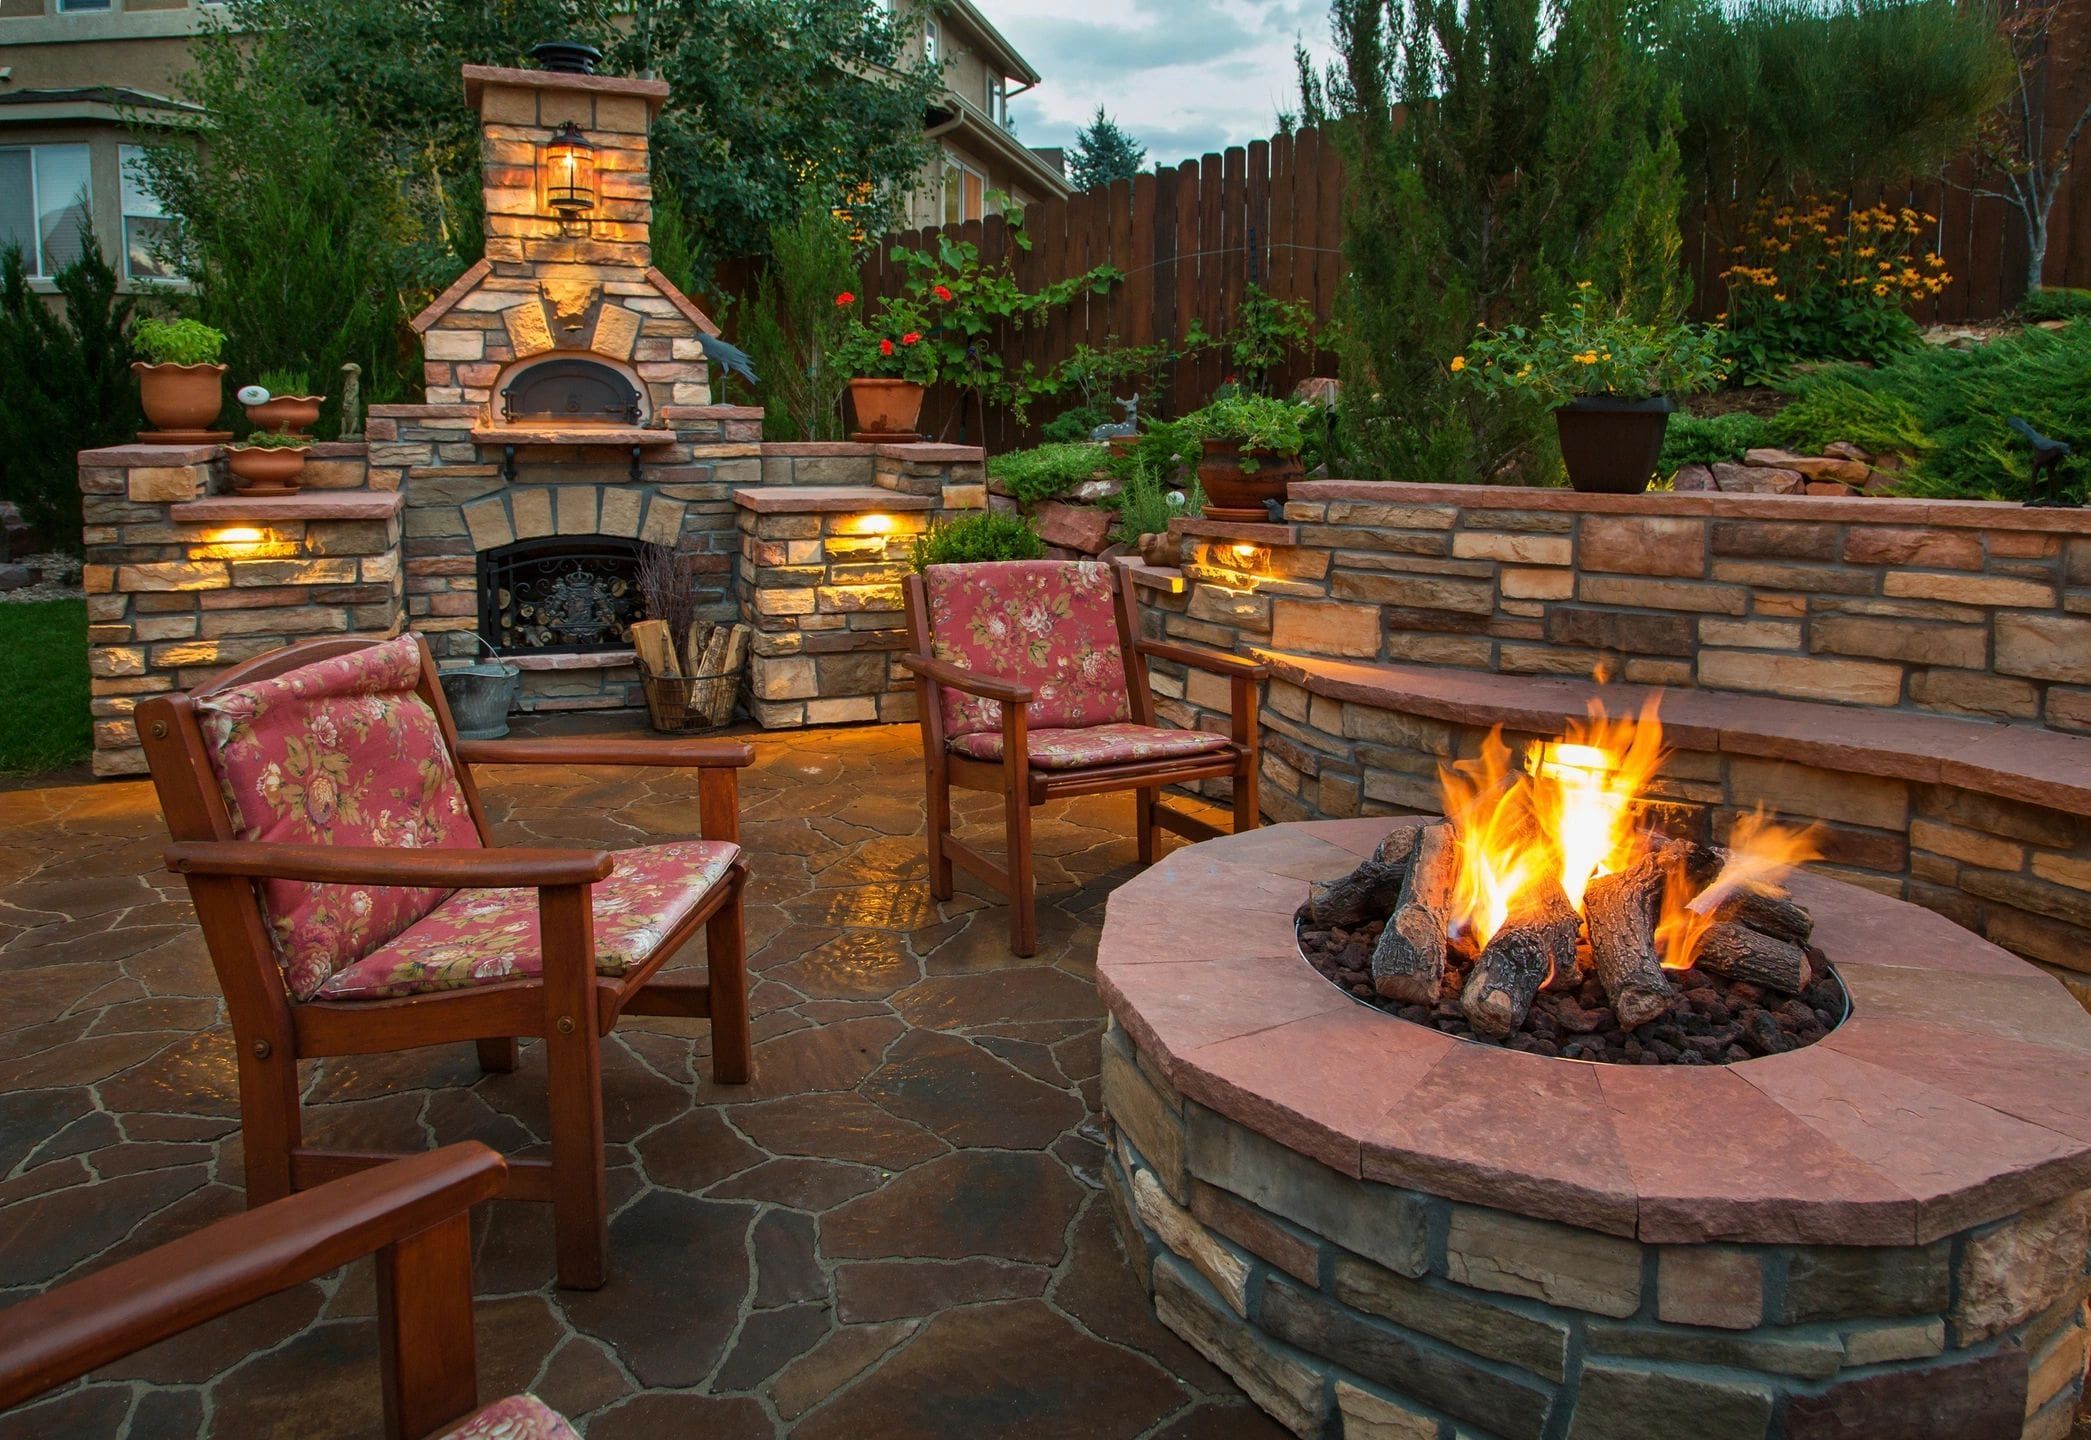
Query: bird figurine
point(729, 358)
point(2044, 489)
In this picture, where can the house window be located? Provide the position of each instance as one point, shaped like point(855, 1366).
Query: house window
point(43, 204)
point(965, 192)
point(932, 42)
point(75, 7)
point(998, 98)
point(144, 218)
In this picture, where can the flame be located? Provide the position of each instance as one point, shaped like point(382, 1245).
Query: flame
point(1578, 808)
point(1760, 853)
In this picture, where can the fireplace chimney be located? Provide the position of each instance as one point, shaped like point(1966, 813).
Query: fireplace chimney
point(566, 57)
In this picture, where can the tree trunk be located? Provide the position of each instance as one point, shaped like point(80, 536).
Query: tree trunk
point(1538, 939)
point(1408, 963)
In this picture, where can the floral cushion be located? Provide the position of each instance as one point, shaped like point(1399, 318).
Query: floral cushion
point(340, 752)
point(519, 1417)
point(478, 937)
point(1051, 624)
point(1095, 745)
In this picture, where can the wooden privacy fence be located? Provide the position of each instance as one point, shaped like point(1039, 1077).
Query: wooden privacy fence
point(1190, 240)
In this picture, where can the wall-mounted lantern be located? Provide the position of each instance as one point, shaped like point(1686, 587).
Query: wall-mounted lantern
point(569, 173)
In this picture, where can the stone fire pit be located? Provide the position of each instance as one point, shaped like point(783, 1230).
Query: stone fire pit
point(1377, 1227)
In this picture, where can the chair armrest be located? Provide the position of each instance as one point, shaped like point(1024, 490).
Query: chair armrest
point(987, 687)
point(517, 868)
point(1219, 662)
point(88, 1323)
point(609, 750)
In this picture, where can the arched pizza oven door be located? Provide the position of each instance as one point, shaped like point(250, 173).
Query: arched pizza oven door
point(568, 391)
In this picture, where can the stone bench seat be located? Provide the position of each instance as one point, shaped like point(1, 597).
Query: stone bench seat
point(1986, 822)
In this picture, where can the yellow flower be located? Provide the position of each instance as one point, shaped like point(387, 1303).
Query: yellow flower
point(1588, 357)
point(1459, 363)
point(1779, 296)
point(1582, 284)
point(1880, 290)
point(1867, 252)
point(1523, 371)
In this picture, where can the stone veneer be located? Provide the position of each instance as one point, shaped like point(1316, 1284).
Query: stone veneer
point(1380, 1231)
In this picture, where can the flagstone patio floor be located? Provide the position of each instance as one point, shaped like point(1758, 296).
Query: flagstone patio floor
point(895, 1230)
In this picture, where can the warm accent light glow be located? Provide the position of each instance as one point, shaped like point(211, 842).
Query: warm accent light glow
point(245, 542)
point(236, 535)
point(1579, 808)
point(569, 173)
point(875, 524)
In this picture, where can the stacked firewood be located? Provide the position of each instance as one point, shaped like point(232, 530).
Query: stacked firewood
point(1748, 934)
point(710, 658)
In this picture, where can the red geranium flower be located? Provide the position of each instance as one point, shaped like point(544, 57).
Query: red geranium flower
point(911, 337)
point(846, 298)
point(885, 347)
point(942, 294)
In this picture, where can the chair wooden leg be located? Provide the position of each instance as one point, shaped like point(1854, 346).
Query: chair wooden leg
point(1144, 801)
point(427, 1361)
point(573, 1052)
point(941, 880)
point(725, 948)
point(270, 1124)
point(1023, 885)
point(500, 1056)
point(1247, 813)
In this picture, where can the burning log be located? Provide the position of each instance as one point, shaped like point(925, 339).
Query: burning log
point(1778, 916)
point(1369, 892)
point(1538, 939)
point(1408, 963)
point(1741, 953)
point(1621, 911)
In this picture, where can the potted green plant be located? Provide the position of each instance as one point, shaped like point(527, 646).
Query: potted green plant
point(891, 366)
point(180, 382)
point(1612, 382)
point(1251, 451)
point(282, 401)
point(268, 462)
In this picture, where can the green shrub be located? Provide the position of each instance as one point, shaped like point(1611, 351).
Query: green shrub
point(178, 342)
point(793, 324)
point(1072, 427)
point(1144, 506)
point(1049, 470)
point(274, 440)
point(1691, 440)
point(984, 535)
point(2056, 302)
point(1257, 423)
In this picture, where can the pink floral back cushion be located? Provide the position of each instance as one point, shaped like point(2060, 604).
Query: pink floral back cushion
point(340, 752)
point(1052, 624)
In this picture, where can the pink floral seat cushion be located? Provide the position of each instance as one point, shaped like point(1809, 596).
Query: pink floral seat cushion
point(1094, 745)
point(1051, 624)
point(339, 752)
point(519, 1417)
point(479, 937)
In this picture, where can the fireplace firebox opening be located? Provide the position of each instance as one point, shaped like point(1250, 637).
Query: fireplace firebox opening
point(560, 595)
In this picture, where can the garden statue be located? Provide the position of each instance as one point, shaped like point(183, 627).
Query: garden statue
point(1126, 429)
point(729, 358)
point(2044, 489)
point(351, 427)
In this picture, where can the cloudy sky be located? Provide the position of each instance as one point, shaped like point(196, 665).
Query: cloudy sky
point(1182, 76)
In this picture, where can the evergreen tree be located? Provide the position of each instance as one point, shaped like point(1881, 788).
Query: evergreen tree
point(1531, 148)
point(1103, 152)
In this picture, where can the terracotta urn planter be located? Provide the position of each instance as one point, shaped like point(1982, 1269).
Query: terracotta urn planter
point(888, 409)
point(286, 414)
point(266, 469)
point(180, 397)
point(1611, 444)
point(1233, 493)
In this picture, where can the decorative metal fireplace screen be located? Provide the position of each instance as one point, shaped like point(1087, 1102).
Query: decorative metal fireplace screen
point(560, 595)
point(569, 390)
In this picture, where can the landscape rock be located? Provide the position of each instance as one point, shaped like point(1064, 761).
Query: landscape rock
point(1733, 479)
point(1091, 491)
point(1845, 450)
point(1074, 527)
point(1693, 477)
point(18, 577)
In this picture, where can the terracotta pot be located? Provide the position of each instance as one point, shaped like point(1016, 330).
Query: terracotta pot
point(1232, 493)
point(180, 397)
point(265, 468)
point(285, 414)
point(887, 407)
point(1611, 445)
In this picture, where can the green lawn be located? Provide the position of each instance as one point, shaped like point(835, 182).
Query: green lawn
point(43, 686)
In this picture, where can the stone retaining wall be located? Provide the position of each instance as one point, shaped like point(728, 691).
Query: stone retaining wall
point(1953, 608)
point(1369, 1310)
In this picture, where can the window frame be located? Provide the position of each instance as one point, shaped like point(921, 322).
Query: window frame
point(36, 262)
point(126, 155)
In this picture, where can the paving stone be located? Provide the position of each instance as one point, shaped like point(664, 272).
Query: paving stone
point(1026, 1371)
point(1007, 1205)
point(768, 1341)
point(840, 1127)
point(968, 1097)
point(799, 1182)
point(674, 1298)
point(787, 1260)
point(836, 1361)
point(900, 1289)
point(716, 1417)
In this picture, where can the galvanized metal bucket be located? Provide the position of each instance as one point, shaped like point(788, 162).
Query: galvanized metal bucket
point(481, 694)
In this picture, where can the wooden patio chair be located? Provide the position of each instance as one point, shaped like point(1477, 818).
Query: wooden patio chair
point(1033, 684)
point(414, 1214)
point(354, 902)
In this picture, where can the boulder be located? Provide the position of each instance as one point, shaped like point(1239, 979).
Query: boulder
point(1074, 527)
point(1693, 477)
point(1815, 467)
point(1091, 491)
point(1845, 450)
point(1756, 479)
point(18, 577)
